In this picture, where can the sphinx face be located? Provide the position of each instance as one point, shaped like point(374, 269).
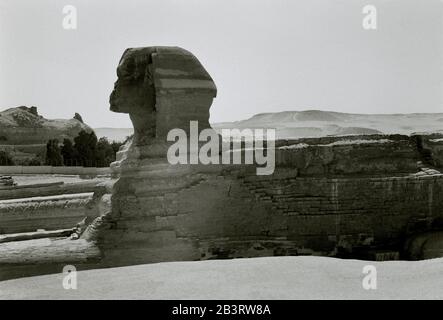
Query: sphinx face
point(133, 91)
point(183, 91)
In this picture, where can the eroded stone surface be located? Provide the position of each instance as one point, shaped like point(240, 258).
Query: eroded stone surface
point(328, 198)
point(24, 133)
point(162, 88)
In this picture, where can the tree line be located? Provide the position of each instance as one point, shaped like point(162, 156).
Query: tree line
point(85, 150)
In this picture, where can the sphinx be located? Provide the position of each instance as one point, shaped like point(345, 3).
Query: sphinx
point(158, 211)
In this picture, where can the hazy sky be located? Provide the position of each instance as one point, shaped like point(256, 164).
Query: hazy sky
point(264, 55)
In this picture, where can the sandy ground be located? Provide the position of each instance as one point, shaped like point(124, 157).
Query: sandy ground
point(258, 278)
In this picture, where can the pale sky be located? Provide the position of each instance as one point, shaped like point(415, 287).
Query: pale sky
point(264, 55)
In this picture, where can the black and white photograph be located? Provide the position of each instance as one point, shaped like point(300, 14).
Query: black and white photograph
point(219, 150)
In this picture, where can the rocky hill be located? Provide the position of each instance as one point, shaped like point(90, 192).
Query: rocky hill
point(316, 123)
point(24, 133)
point(23, 125)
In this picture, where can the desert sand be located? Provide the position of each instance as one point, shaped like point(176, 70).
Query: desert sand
point(302, 277)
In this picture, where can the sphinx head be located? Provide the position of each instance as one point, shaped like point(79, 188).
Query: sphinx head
point(162, 88)
point(134, 89)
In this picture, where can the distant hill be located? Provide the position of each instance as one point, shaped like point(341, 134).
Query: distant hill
point(24, 133)
point(114, 134)
point(316, 123)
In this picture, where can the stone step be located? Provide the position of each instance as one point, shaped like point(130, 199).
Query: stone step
point(47, 250)
point(36, 235)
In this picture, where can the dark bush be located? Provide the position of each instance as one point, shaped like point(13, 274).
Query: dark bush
point(53, 153)
point(6, 159)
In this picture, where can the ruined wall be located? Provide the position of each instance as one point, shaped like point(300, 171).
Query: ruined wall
point(194, 213)
point(49, 213)
point(350, 212)
point(435, 147)
point(348, 155)
point(49, 206)
point(47, 189)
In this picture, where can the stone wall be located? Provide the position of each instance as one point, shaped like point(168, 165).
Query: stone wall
point(347, 155)
point(49, 206)
point(204, 212)
point(48, 213)
point(346, 213)
point(47, 189)
point(435, 147)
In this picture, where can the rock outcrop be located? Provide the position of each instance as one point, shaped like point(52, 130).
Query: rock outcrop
point(24, 133)
point(22, 125)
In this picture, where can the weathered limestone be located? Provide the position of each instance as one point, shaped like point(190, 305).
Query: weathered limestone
point(332, 156)
point(162, 88)
point(48, 212)
point(323, 199)
point(47, 189)
point(434, 146)
point(40, 252)
point(60, 233)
